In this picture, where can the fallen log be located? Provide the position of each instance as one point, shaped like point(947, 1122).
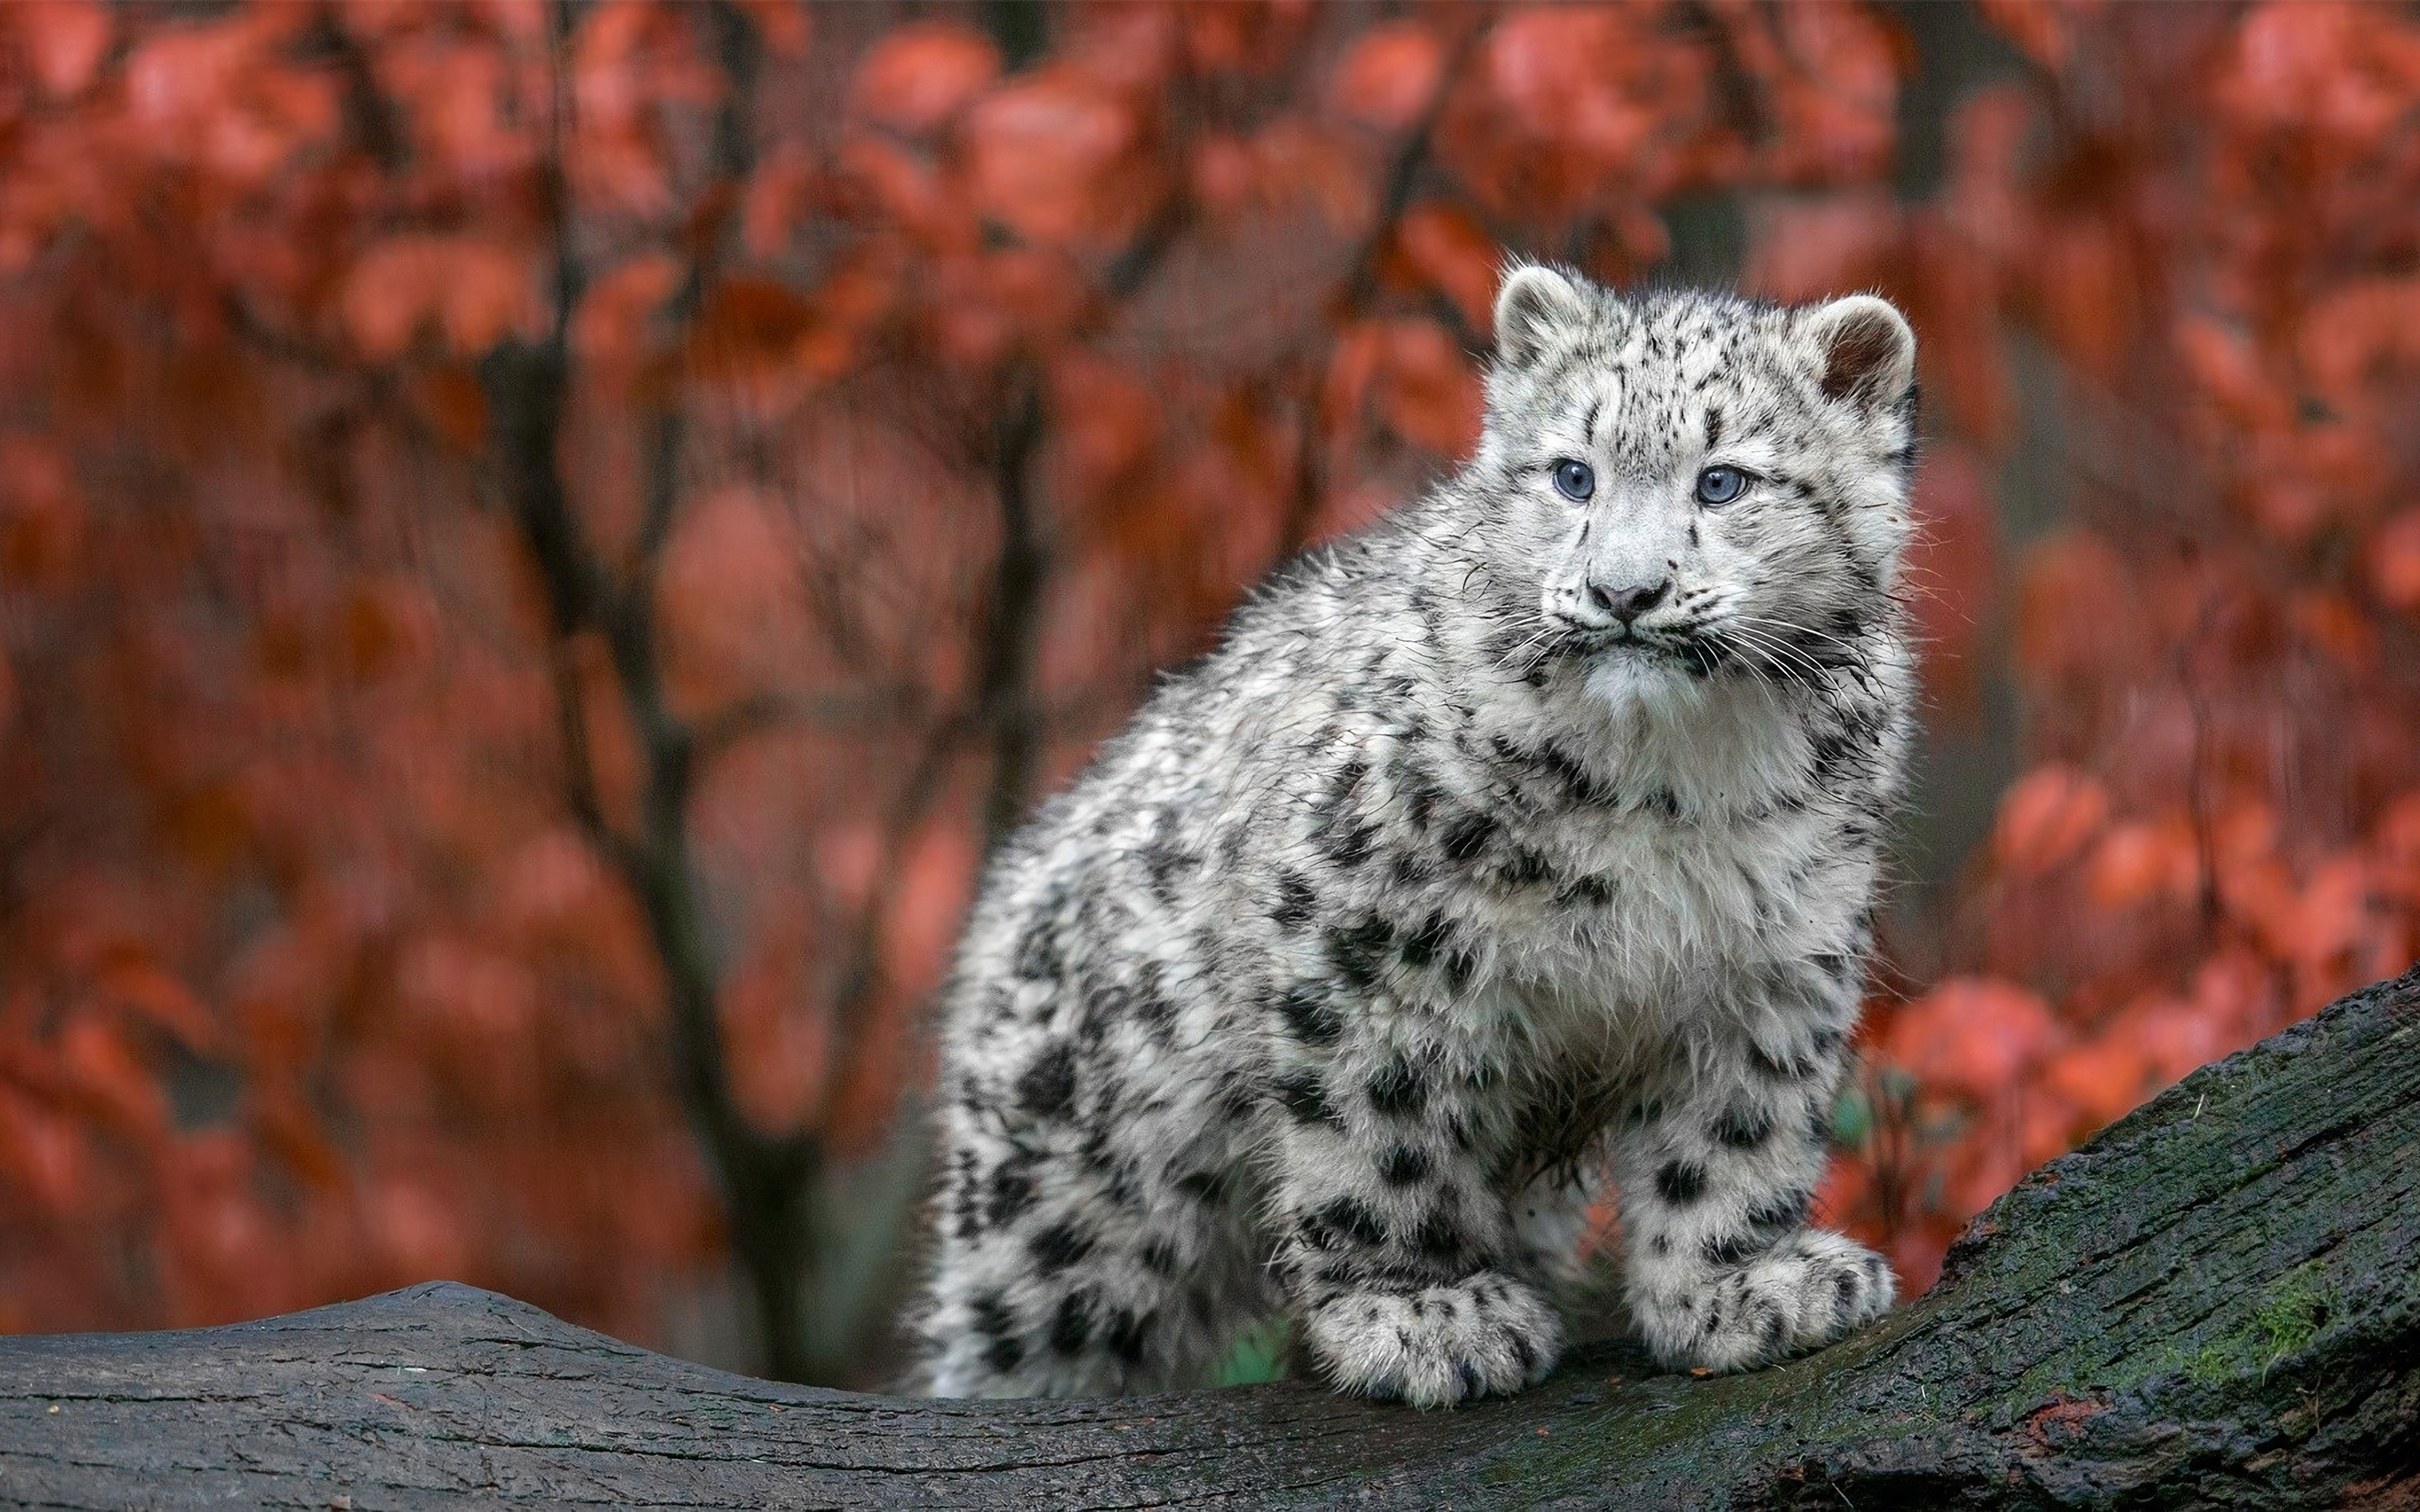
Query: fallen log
point(2217, 1303)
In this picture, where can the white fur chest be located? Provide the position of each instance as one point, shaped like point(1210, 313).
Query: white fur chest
point(1708, 858)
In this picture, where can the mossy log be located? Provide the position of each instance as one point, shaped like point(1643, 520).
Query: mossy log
point(2217, 1303)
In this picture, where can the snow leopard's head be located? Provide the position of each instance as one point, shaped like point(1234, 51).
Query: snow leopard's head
point(1698, 483)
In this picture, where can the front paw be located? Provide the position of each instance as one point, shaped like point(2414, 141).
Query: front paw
point(1804, 1292)
point(1483, 1336)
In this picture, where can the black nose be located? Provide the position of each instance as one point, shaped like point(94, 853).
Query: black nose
point(1627, 604)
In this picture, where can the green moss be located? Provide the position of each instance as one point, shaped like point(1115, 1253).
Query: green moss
point(2283, 1322)
point(1257, 1356)
point(2291, 1315)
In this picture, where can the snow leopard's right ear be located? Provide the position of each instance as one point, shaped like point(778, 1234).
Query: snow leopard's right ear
point(1534, 305)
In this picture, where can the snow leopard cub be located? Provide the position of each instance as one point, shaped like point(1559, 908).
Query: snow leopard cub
point(1528, 835)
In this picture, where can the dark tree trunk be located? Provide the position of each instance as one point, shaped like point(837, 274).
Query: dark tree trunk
point(2214, 1303)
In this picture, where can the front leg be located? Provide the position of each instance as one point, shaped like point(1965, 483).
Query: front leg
point(1400, 1260)
point(1715, 1182)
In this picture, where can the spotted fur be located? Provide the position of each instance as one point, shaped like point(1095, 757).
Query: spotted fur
point(1511, 841)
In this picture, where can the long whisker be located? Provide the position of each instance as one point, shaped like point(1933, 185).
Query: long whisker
point(1794, 628)
point(1816, 672)
point(1537, 648)
point(1756, 655)
point(1799, 667)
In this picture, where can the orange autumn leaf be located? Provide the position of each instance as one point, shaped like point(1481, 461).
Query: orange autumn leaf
point(66, 39)
point(2395, 562)
point(1453, 254)
point(2138, 861)
point(1059, 159)
point(469, 294)
point(1973, 1034)
point(2047, 816)
point(1388, 76)
point(921, 75)
point(2104, 1078)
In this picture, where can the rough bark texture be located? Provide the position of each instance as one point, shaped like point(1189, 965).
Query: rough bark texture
point(2214, 1303)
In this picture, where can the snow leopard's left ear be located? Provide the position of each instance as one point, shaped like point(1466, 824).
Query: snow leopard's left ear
point(1864, 351)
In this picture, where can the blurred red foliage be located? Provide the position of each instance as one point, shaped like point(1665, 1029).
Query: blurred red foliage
point(2207, 219)
point(540, 544)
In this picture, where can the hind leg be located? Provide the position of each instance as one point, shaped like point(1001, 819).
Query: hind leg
point(1067, 1276)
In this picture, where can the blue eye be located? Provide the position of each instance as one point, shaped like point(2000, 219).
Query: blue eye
point(1574, 481)
point(1720, 486)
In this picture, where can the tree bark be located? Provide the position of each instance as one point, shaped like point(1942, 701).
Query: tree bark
point(2216, 1303)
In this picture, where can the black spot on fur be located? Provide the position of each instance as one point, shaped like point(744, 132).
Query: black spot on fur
point(1127, 1336)
point(1159, 1257)
point(1295, 902)
point(1097, 1010)
point(1360, 952)
point(1038, 954)
point(1072, 1324)
point(1595, 892)
point(1011, 1193)
point(1680, 1182)
point(1398, 1091)
point(1578, 782)
point(1164, 861)
point(963, 1193)
point(1354, 1219)
point(992, 1317)
point(1308, 1017)
point(1743, 1127)
point(1403, 1166)
point(1057, 1247)
point(1422, 945)
point(1348, 845)
point(1151, 1008)
point(1832, 750)
point(1003, 1355)
point(1208, 1188)
point(1467, 836)
point(1345, 839)
point(1731, 1249)
point(1348, 777)
point(1305, 1096)
point(1048, 1088)
point(1788, 1210)
point(1459, 968)
point(1525, 868)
